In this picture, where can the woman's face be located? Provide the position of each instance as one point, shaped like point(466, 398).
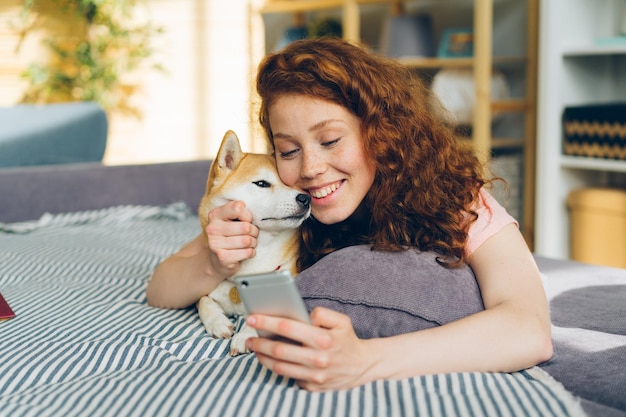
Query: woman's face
point(319, 150)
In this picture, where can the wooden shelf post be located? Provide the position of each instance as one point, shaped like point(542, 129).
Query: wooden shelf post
point(483, 26)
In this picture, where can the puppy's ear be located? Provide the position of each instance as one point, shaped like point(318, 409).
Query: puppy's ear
point(228, 158)
point(229, 155)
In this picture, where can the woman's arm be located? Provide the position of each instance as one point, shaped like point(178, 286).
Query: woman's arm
point(183, 278)
point(199, 267)
point(512, 333)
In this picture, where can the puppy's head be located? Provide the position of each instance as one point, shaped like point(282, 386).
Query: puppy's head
point(253, 179)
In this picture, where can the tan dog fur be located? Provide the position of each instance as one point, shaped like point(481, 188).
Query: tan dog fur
point(277, 210)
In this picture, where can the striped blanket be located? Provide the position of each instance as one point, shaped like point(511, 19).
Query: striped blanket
point(85, 343)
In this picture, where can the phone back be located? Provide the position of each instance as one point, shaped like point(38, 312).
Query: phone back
point(273, 294)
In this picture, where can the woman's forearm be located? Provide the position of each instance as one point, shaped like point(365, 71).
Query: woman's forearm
point(180, 280)
point(177, 283)
point(501, 339)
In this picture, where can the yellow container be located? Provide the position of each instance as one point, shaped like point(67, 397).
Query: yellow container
point(598, 226)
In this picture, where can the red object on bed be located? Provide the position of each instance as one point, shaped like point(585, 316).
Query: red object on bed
point(5, 309)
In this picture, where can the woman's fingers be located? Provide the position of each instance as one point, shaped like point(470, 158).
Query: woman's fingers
point(330, 319)
point(231, 236)
point(299, 332)
point(312, 378)
point(291, 360)
point(233, 211)
point(312, 345)
point(327, 355)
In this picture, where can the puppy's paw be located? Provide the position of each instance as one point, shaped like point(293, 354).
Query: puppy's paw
point(238, 343)
point(219, 326)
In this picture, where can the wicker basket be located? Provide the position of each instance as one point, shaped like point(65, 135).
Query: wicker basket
point(597, 131)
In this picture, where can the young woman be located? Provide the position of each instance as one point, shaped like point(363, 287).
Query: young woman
point(363, 138)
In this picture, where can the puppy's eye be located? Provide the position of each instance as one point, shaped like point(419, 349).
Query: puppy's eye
point(262, 184)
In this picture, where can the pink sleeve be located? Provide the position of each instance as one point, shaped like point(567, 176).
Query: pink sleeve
point(492, 217)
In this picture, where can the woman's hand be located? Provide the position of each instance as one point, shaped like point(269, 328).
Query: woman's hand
point(232, 238)
point(330, 355)
point(202, 264)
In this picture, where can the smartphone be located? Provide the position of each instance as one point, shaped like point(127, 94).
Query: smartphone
point(274, 294)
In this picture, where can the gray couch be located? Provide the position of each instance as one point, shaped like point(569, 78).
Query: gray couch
point(28, 192)
point(52, 134)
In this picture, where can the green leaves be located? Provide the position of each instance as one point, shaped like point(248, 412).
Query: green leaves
point(97, 65)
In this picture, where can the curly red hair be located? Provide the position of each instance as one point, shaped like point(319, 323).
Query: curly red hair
point(427, 179)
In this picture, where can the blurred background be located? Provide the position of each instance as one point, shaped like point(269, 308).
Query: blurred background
point(520, 78)
point(191, 82)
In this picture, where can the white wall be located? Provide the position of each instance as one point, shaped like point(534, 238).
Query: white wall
point(205, 50)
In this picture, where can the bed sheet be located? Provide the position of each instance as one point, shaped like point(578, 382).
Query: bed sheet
point(84, 341)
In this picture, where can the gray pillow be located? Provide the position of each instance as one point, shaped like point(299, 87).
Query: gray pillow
point(389, 293)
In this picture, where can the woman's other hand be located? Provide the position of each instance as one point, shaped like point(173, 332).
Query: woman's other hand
point(329, 354)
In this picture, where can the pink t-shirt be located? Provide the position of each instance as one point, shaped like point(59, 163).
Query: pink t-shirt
point(492, 217)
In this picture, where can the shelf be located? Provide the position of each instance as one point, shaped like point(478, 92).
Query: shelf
point(595, 164)
point(436, 63)
point(288, 6)
point(594, 50)
point(509, 106)
point(501, 144)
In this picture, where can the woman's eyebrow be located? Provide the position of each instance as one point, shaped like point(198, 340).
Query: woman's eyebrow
point(278, 135)
point(316, 126)
point(324, 123)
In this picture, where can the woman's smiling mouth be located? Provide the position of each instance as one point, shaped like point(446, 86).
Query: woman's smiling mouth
point(324, 191)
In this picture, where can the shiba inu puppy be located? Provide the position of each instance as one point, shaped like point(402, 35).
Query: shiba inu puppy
point(277, 210)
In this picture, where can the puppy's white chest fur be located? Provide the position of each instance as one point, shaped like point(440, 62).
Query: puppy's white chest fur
point(274, 251)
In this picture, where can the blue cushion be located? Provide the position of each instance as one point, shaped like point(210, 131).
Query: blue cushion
point(52, 134)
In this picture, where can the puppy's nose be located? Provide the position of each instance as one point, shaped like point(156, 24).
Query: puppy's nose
point(303, 199)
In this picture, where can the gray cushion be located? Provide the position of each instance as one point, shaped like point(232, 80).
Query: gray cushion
point(389, 293)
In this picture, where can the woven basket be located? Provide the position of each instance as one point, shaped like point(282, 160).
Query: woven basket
point(596, 131)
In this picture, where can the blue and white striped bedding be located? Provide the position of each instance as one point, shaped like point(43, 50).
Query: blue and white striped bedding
point(85, 343)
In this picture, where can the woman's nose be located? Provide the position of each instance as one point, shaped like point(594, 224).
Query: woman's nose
point(312, 165)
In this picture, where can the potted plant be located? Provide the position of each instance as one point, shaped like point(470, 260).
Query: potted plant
point(94, 48)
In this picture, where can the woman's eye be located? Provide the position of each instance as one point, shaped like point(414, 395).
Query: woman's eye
point(262, 184)
point(288, 154)
point(331, 142)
